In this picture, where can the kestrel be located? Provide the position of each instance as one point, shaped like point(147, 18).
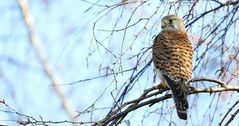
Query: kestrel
point(172, 57)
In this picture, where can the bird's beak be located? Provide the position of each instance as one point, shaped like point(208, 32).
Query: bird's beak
point(163, 25)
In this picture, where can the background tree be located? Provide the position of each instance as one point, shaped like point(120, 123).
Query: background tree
point(89, 62)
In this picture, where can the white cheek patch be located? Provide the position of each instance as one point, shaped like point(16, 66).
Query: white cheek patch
point(175, 25)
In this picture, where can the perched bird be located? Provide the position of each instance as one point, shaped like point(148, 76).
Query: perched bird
point(172, 57)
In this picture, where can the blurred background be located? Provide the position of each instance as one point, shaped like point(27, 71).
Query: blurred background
point(71, 60)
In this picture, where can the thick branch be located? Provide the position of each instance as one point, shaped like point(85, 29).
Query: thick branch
point(121, 112)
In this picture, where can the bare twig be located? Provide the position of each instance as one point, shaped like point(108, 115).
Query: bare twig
point(213, 10)
point(26, 119)
point(232, 116)
point(207, 79)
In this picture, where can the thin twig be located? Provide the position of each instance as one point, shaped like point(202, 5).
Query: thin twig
point(231, 108)
point(232, 117)
point(208, 79)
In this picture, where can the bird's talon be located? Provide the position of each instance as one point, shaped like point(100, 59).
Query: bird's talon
point(192, 88)
point(161, 86)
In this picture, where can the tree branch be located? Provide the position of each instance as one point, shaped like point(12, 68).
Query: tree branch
point(121, 112)
point(34, 41)
point(213, 10)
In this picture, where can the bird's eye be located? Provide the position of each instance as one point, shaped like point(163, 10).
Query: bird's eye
point(170, 20)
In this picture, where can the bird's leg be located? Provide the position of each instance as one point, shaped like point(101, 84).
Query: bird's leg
point(162, 86)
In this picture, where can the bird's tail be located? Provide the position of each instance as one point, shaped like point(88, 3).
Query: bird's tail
point(180, 92)
point(182, 109)
point(180, 99)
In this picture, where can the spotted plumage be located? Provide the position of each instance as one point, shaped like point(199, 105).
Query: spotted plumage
point(172, 57)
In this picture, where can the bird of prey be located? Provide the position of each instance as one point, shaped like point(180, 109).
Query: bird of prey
point(172, 57)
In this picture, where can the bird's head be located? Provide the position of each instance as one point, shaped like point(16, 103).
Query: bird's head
point(172, 23)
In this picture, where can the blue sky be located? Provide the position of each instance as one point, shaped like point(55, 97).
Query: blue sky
point(65, 31)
